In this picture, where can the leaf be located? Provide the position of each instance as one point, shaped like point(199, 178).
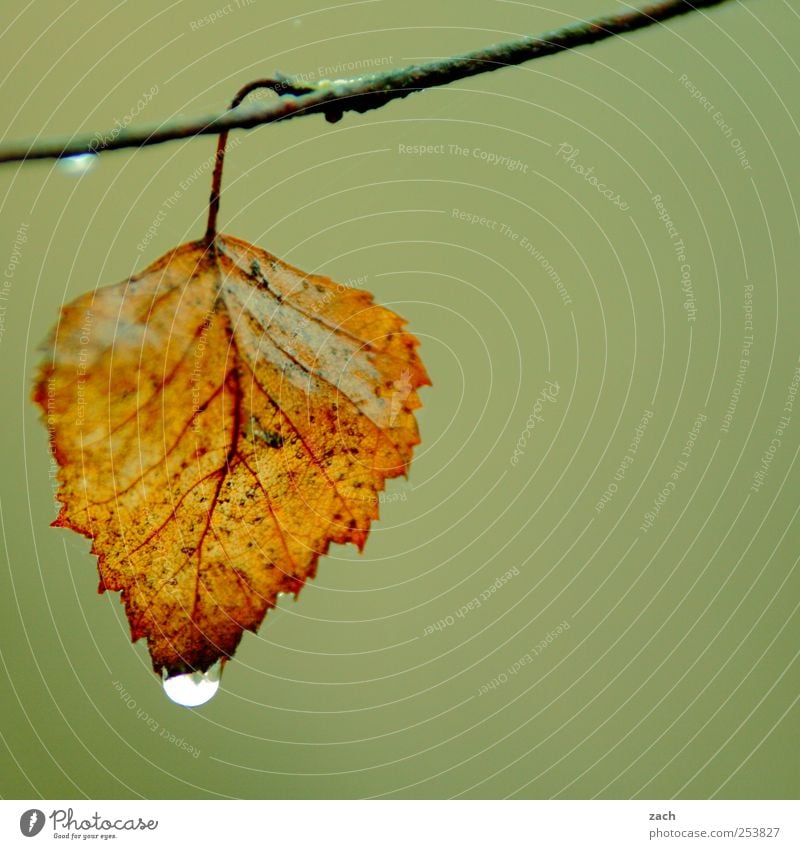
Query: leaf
point(219, 419)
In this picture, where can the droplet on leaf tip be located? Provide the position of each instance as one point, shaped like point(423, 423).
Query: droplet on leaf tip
point(77, 166)
point(194, 688)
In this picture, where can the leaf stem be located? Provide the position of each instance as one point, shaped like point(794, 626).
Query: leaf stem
point(278, 84)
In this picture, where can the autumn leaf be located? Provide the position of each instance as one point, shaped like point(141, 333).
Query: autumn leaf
point(219, 419)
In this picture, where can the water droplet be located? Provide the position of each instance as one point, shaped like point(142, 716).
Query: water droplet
point(194, 688)
point(77, 166)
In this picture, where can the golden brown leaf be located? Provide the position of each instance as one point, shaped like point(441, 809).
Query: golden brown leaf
point(219, 420)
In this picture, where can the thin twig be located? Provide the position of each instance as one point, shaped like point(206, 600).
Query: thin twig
point(361, 94)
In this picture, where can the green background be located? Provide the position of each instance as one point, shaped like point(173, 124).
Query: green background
point(678, 674)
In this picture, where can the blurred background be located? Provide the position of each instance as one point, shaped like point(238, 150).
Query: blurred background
point(588, 586)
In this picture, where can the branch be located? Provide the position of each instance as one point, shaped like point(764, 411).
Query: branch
point(360, 94)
